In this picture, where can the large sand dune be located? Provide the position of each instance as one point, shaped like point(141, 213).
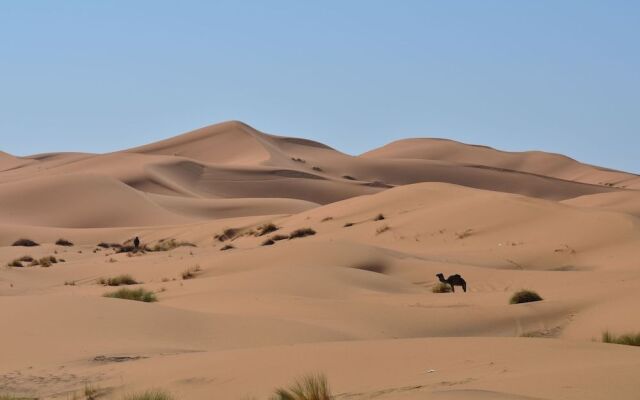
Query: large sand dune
point(354, 300)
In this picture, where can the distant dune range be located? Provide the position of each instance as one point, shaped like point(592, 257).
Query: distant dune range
point(353, 299)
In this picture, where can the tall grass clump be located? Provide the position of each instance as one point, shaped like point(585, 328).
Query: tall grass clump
point(629, 339)
point(302, 232)
point(124, 279)
point(310, 387)
point(133, 294)
point(153, 394)
point(524, 296)
point(266, 229)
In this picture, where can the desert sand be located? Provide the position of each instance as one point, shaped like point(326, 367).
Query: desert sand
point(353, 301)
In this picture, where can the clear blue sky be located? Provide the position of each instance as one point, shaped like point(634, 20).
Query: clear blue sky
point(561, 76)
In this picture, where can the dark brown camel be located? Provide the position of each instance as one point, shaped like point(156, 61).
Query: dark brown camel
point(453, 280)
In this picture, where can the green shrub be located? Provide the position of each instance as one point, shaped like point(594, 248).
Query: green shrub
point(133, 294)
point(629, 339)
point(311, 387)
point(302, 232)
point(524, 296)
point(25, 243)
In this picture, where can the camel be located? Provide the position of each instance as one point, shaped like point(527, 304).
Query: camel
point(453, 280)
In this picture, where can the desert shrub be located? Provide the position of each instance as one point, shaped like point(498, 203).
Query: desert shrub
point(105, 245)
point(227, 234)
point(302, 232)
point(317, 169)
point(310, 387)
point(153, 394)
point(524, 296)
point(64, 242)
point(629, 339)
point(47, 261)
point(379, 217)
point(227, 247)
point(191, 272)
point(25, 243)
point(266, 229)
point(25, 259)
point(325, 219)
point(277, 238)
point(349, 177)
point(133, 294)
point(168, 244)
point(69, 283)
point(300, 160)
point(15, 263)
point(268, 242)
point(465, 234)
point(118, 280)
point(441, 287)
point(348, 224)
point(382, 229)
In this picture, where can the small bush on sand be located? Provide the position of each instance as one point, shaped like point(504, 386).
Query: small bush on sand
point(348, 224)
point(153, 394)
point(15, 263)
point(47, 261)
point(310, 387)
point(227, 247)
point(465, 234)
point(524, 296)
point(276, 238)
point(191, 272)
point(69, 283)
point(64, 242)
point(379, 217)
point(227, 234)
point(302, 232)
point(441, 287)
point(300, 160)
point(318, 169)
point(105, 245)
point(25, 259)
point(349, 177)
point(629, 339)
point(118, 280)
point(382, 229)
point(169, 244)
point(325, 219)
point(133, 294)
point(268, 242)
point(266, 229)
point(25, 243)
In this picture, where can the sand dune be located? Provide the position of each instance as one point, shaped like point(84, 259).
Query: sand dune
point(354, 300)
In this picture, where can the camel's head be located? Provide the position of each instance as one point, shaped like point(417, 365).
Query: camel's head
point(440, 276)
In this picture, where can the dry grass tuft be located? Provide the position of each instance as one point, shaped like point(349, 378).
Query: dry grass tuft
point(310, 387)
point(441, 287)
point(465, 234)
point(268, 242)
point(227, 234)
point(124, 279)
point(302, 232)
point(191, 272)
point(629, 339)
point(277, 238)
point(227, 247)
point(47, 261)
point(168, 244)
point(379, 217)
point(266, 229)
point(382, 229)
point(15, 263)
point(153, 394)
point(348, 224)
point(325, 219)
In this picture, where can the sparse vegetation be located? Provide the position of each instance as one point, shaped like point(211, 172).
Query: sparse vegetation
point(133, 294)
point(465, 234)
point(325, 219)
point(441, 287)
point(69, 283)
point(302, 232)
point(279, 237)
point(105, 245)
point(227, 247)
point(91, 392)
point(349, 177)
point(47, 261)
point(266, 229)
point(124, 279)
point(169, 244)
point(382, 229)
point(191, 272)
point(227, 234)
point(379, 217)
point(25, 259)
point(268, 242)
point(15, 263)
point(153, 394)
point(310, 387)
point(25, 243)
point(629, 339)
point(348, 224)
point(317, 169)
point(524, 296)
point(300, 160)
point(64, 242)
